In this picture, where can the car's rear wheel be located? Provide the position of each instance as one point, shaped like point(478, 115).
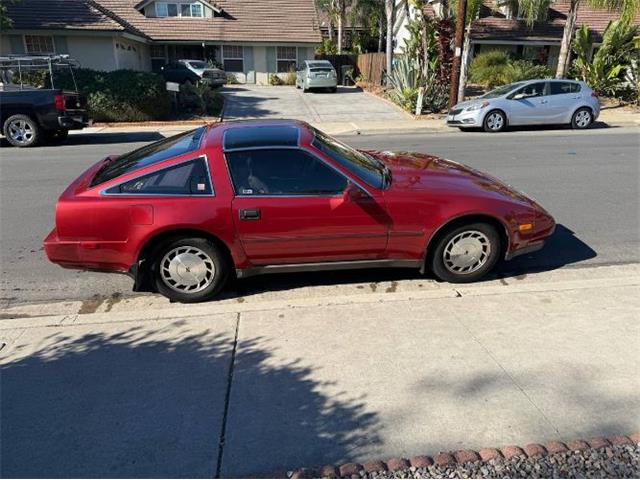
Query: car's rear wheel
point(466, 253)
point(582, 118)
point(495, 121)
point(21, 131)
point(190, 270)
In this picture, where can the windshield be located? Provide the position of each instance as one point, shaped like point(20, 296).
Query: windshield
point(145, 156)
point(500, 91)
point(198, 65)
point(367, 168)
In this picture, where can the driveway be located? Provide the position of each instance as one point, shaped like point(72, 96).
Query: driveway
point(349, 104)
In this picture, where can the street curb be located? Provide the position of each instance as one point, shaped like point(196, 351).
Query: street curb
point(460, 457)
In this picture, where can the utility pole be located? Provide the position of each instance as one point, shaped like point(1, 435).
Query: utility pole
point(461, 17)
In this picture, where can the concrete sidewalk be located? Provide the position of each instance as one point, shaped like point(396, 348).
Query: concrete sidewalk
point(145, 388)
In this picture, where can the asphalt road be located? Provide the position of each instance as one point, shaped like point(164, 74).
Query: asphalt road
point(588, 180)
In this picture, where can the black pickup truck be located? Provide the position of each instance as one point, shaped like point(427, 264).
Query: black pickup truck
point(30, 116)
point(33, 116)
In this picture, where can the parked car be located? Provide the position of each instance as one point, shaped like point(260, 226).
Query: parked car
point(30, 116)
point(183, 215)
point(317, 74)
point(534, 102)
point(194, 71)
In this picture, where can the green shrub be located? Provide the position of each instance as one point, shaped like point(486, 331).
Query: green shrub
point(117, 96)
point(200, 99)
point(495, 67)
point(275, 80)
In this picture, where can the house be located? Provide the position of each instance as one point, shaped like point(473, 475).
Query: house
point(251, 39)
point(499, 26)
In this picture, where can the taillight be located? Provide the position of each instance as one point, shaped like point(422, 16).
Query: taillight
point(58, 100)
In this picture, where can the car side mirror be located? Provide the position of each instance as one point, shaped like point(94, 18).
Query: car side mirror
point(353, 193)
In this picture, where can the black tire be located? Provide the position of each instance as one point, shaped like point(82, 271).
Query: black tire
point(443, 266)
point(162, 261)
point(494, 121)
point(582, 119)
point(22, 131)
point(56, 136)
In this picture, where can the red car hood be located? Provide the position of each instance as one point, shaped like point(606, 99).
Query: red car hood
point(415, 172)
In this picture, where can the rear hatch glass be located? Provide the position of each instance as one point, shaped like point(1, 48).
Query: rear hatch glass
point(321, 69)
point(151, 154)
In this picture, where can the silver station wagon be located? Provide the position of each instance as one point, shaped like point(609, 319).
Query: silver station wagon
point(533, 102)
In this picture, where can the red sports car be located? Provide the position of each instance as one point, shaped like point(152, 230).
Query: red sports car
point(184, 214)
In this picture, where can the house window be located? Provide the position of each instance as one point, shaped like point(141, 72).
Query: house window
point(287, 58)
point(37, 44)
point(233, 58)
point(165, 9)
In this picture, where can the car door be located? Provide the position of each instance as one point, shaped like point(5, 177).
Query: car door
point(290, 207)
point(562, 100)
point(529, 104)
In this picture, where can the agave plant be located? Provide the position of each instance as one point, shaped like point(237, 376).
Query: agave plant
point(405, 81)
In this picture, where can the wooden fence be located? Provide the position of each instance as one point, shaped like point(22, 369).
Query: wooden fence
point(372, 66)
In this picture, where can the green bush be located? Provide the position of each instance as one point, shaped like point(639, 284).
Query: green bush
point(495, 67)
point(117, 96)
point(275, 80)
point(200, 100)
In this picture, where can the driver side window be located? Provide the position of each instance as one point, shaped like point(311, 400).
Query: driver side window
point(282, 172)
point(531, 91)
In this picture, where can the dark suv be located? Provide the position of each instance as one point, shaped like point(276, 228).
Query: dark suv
point(193, 71)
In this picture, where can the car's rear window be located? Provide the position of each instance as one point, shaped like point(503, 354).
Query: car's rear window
point(156, 152)
point(321, 69)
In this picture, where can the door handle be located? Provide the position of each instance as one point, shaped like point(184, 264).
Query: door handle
point(250, 214)
point(544, 101)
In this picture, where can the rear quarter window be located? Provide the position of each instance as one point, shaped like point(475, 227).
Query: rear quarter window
point(150, 155)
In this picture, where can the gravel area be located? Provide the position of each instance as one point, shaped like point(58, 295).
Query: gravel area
point(620, 461)
point(610, 461)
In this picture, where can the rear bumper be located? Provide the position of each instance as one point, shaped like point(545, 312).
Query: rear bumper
point(322, 82)
point(84, 255)
point(215, 82)
point(73, 122)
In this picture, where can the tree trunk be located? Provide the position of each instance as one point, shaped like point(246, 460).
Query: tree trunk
point(459, 42)
point(567, 36)
point(380, 33)
point(339, 34)
point(389, 7)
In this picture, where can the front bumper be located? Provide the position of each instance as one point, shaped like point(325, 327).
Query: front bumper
point(72, 121)
point(534, 241)
point(466, 119)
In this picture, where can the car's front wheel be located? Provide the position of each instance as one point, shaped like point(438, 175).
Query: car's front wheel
point(465, 253)
point(21, 131)
point(495, 121)
point(582, 118)
point(190, 270)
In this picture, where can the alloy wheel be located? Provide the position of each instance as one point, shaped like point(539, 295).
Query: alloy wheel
point(583, 118)
point(21, 132)
point(187, 269)
point(495, 121)
point(467, 252)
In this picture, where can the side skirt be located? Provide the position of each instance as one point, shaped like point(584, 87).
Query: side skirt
point(326, 266)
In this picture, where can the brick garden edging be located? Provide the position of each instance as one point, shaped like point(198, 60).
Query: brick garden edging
point(459, 457)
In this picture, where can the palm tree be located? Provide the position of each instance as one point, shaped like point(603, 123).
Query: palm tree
point(627, 8)
point(390, 10)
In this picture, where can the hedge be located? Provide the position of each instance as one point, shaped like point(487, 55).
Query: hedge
point(117, 96)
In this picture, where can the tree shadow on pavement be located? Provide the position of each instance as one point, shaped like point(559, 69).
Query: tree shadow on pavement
point(149, 403)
